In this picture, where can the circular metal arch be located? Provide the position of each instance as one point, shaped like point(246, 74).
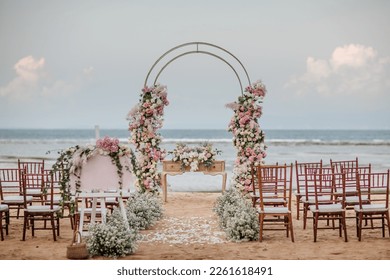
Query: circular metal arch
point(196, 52)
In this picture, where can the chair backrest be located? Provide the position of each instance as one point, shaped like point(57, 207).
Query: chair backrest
point(39, 180)
point(275, 181)
point(53, 179)
point(325, 182)
point(34, 182)
point(351, 178)
point(320, 177)
point(9, 182)
point(338, 165)
point(375, 185)
point(32, 166)
point(254, 176)
point(300, 172)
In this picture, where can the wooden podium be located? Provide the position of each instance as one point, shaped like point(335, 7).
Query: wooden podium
point(174, 168)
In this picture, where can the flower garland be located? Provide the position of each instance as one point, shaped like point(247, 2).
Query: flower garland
point(248, 138)
point(144, 121)
point(71, 160)
point(193, 156)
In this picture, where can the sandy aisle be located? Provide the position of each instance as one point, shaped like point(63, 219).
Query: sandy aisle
point(189, 230)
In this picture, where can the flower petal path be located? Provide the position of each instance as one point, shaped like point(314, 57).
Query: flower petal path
point(186, 230)
point(186, 223)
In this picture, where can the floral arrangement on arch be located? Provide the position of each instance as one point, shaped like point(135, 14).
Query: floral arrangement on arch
point(144, 121)
point(193, 156)
point(71, 160)
point(248, 138)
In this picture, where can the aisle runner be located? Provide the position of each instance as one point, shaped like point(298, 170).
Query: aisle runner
point(185, 230)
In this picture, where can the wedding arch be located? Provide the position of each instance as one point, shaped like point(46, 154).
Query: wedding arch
point(182, 50)
point(147, 117)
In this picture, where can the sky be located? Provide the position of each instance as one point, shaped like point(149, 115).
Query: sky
point(77, 64)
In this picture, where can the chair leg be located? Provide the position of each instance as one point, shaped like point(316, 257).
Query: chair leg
point(33, 226)
point(53, 226)
point(357, 225)
point(383, 225)
point(287, 225)
point(360, 226)
point(388, 221)
point(341, 227)
point(345, 228)
point(291, 227)
point(298, 197)
point(58, 226)
point(304, 215)
point(261, 224)
point(1, 226)
point(7, 214)
point(315, 225)
point(25, 221)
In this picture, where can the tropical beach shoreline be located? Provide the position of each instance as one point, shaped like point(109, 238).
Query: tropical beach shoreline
point(189, 231)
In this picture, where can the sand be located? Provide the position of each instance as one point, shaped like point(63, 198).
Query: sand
point(189, 231)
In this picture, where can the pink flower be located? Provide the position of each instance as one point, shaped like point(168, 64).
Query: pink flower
point(108, 144)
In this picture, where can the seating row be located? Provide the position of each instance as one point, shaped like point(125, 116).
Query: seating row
point(34, 192)
point(326, 192)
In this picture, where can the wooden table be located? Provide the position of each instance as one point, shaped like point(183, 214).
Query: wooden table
point(174, 168)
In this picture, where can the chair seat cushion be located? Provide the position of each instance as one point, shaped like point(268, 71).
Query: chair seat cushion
point(355, 199)
point(275, 200)
point(33, 192)
point(327, 208)
point(348, 190)
point(16, 199)
point(321, 199)
point(42, 208)
point(3, 207)
point(366, 208)
point(378, 190)
point(274, 210)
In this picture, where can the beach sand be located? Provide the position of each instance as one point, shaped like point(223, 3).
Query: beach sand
point(189, 231)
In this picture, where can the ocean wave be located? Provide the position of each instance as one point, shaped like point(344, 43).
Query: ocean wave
point(319, 142)
point(196, 140)
point(268, 142)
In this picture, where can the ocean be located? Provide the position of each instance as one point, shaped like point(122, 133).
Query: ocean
point(283, 146)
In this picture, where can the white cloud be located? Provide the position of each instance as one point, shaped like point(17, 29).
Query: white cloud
point(28, 73)
point(351, 69)
point(32, 81)
point(29, 69)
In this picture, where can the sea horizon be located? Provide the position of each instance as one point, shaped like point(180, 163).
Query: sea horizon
point(283, 146)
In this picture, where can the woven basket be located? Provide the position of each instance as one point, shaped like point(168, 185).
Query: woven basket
point(77, 251)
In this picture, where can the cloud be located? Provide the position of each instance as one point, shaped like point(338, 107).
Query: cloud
point(88, 71)
point(28, 73)
point(351, 69)
point(29, 69)
point(32, 80)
